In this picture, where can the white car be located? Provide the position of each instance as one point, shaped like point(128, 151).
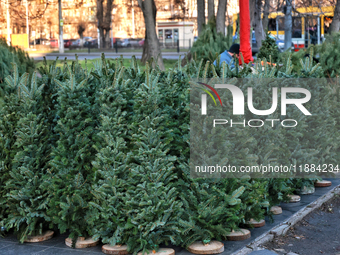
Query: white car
point(80, 42)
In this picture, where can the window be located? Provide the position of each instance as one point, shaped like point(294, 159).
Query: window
point(168, 35)
point(160, 34)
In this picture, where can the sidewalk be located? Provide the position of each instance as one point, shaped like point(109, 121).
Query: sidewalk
point(10, 246)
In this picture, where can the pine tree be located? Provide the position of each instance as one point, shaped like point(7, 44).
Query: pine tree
point(269, 49)
point(212, 210)
point(71, 171)
point(152, 203)
point(329, 52)
point(107, 213)
point(152, 199)
point(8, 124)
point(27, 196)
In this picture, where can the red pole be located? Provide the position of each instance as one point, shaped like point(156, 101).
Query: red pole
point(245, 47)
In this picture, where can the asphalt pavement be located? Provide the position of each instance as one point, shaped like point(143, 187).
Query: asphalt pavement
point(10, 246)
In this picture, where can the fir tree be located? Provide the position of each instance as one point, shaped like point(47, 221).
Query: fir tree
point(8, 123)
point(152, 203)
point(329, 55)
point(151, 200)
point(27, 196)
point(269, 49)
point(71, 172)
point(107, 209)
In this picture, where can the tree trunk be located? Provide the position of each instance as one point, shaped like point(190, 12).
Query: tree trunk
point(200, 16)
point(101, 37)
point(211, 9)
point(257, 24)
point(252, 11)
point(104, 22)
point(100, 17)
point(151, 46)
point(288, 25)
point(220, 17)
point(265, 15)
point(107, 38)
point(335, 25)
point(107, 22)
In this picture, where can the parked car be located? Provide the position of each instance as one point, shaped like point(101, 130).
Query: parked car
point(141, 42)
point(91, 43)
point(68, 42)
point(54, 43)
point(119, 42)
point(79, 43)
point(130, 42)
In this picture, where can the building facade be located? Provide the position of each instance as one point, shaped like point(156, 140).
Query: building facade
point(127, 18)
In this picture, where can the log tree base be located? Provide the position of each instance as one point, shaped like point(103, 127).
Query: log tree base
point(214, 247)
point(81, 242)
point(294, 198)
point(239, 235)
point(117, 249)
point(161, 251)
point(323, 183)
point(307, 190)
point(256, 224)
point(39, 238)
point(276, 210)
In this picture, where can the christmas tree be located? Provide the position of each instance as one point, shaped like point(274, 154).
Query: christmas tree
point(71, 171)
point(27, 196)
point(107, 214)
point(8, 123)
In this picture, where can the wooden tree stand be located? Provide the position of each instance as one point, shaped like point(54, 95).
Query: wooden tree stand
point(323, 183)
point(307, 190)
point(256, 224)
point(81, 242)
point(117, 249)
point(39, 238)
point(214, 247)
point(276, 210)
point(161, 251)
point(294, 198)
point(239, 235)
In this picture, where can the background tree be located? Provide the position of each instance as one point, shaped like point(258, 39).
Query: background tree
point(257, 22)
point(288, 24)
point(151, 47)
point(266, 8)
point(335, 25)
point(211, 9)
point(200, 16)
point(221, 15)
point(104, 10)
point(82, 24)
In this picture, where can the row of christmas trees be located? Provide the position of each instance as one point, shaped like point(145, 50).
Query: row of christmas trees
point(105, 154)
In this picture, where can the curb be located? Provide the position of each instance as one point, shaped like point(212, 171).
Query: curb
point(283, 227)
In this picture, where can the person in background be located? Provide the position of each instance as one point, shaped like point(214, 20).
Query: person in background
point(228, 55)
